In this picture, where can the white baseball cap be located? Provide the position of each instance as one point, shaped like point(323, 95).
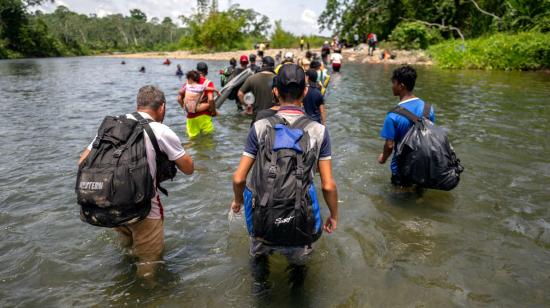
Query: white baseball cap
point(289, 55)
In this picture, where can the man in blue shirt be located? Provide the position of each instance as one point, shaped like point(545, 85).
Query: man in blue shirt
point(396, 126)
point(314, 102)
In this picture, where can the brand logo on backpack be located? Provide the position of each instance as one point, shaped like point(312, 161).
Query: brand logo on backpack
point(91, 185)
point(279, 220)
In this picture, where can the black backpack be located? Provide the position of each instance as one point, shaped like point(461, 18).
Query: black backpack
point(114, 185)
point(281, 205)
point(424, 156)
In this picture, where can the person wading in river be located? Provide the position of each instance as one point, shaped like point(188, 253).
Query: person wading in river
point(396, 126)
point(199, 121)
point(146, 237)
point(261, 85)
point(280, 202)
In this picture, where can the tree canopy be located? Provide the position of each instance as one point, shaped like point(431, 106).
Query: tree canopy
point(474, 18)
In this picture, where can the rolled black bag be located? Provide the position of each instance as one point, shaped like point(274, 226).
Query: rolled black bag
point(425, 156)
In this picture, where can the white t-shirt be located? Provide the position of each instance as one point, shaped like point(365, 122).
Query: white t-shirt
point(336, 58)
point(169, 143)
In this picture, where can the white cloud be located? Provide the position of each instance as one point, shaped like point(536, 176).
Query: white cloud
point(309, 17)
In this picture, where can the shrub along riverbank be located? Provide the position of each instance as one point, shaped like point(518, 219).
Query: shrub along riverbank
point(522, 51)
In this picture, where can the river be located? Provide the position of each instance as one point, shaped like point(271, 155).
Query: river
point(486, 243)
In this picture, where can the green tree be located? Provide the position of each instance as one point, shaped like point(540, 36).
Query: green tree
point(281, 38)
point(138, 15)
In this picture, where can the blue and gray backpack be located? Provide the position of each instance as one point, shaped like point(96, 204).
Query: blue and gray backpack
point(281, 205)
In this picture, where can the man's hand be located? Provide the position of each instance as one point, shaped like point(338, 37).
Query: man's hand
point(381, 158)
point(236, 207)
point(330, 225)
point(388, 149)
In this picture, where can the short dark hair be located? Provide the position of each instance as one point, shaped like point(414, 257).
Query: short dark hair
point(291, 92)
point(193, 75)
point(312, 75)
point(233, 62)
point(202, 68)
point(405, 75)
point(150, 97)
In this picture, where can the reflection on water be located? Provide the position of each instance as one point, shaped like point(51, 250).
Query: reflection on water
point(485, 243)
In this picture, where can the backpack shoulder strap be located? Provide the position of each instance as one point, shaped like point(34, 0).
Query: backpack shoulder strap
point(427, 109)
point(145, 123)
point(275, 119)
point(301, 122)
point(406, 113)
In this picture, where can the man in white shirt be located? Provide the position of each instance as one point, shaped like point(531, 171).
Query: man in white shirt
point(146, 237)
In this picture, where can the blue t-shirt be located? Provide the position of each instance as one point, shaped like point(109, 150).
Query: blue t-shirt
point(318, 134)
point(312, 103)
point(396, 126)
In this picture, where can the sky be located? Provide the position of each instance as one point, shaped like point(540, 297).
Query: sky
point(298, 16)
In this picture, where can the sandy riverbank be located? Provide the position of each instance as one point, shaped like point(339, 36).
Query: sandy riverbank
point(350, 55)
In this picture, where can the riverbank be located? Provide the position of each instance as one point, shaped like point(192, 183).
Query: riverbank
point(501, 51)
point(417, 57)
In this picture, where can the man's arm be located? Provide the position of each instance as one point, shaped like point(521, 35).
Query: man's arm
point(211, 104)
point(330, 194)
point(240, 94)
point(181, 95)
point(239, 182)
point(323, 114)
point(83, 156)
point(386, 152)
point(185, 164)
point(245, 88)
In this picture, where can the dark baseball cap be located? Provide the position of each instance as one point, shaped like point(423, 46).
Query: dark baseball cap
point(202, 67)
point(268, 61)
point(291, 74)
point(252, 57)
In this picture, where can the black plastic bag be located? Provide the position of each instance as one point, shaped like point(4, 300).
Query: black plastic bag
point(425, 157)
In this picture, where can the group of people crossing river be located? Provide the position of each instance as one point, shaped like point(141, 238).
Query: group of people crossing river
point(121, 171)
